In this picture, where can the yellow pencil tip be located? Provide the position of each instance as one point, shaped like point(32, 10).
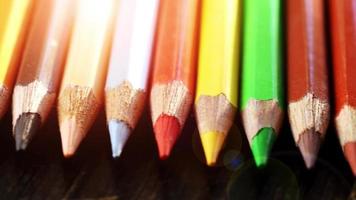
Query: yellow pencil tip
point(212, 143)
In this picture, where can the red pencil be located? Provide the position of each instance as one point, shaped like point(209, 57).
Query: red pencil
point(343, 30)
point(174, 70)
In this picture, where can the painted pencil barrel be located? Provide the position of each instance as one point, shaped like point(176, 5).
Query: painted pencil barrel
point(132, 44)
point(262, 91)
point(216, 95)
point(14, 20)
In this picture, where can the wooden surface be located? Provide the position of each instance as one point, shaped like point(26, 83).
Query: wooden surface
point(42, 172)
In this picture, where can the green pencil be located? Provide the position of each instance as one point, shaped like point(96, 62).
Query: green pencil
point(262, 95)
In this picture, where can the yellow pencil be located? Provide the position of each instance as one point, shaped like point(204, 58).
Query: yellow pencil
point(14, 17)
point(216, 99)
point(82, 90)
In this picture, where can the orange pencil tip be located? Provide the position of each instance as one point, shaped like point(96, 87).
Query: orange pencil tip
point(167, 131)
point(211, 164)
point(71, 135)
point(67, 153)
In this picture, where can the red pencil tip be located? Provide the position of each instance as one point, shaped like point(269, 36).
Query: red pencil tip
point(350, 154)
point(167, 130)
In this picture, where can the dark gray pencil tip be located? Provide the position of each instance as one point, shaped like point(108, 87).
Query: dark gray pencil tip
point(25, 128)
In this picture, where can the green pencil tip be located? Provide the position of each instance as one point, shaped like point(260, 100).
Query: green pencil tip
point(262, 144)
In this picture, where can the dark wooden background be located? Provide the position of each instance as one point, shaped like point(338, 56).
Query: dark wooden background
point(43, 173)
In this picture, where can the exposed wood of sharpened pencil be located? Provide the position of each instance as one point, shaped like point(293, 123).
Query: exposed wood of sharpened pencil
point(262, 91)
point(14, 19)
point(84, 76)
point(308, 89)
point(41, 69)
point(174, 70)
point(216, 99)
point(343, 31)
point(129, 68)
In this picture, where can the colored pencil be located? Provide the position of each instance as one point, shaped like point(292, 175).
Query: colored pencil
point(126, 84)
point(343, 27)
point(14, 21)
point(82, 89)
point(308, 89)
point(216, 99)
point(262, 97)
point(174, 70)
point(41, 69)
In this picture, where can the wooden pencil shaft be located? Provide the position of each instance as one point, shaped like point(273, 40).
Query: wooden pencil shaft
point(307, 67)
point(219, 49)
point(14, 21)
point(171, 99)
point(79, 104)
point(262, 70)
point(174, 63)
point(125, 104)
point(345, 125)
point(32, 98)
point(47, 43)
point(343, 23)
point(176, 43)
point(261, 114)
point(214, 114)
point(81, 95)
point(308, 89)
point(218, 72)
point(132, 44)
point(174, 70)
point(262, 89)
point(90, 46)
point(309, 114)
point(130, 60)
point(343, 29)
point(4, 97)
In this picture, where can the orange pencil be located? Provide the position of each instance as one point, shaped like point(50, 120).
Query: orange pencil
point(15, 17)
point(174, 70)
point(82, 87)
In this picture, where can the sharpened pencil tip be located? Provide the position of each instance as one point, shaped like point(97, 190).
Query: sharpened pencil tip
point(25, 128)
point(167, 130)
point(119, 134)
point(261, 146)
point(309, 145)
point(212, 144)
point(350, 154)
point(71, 135)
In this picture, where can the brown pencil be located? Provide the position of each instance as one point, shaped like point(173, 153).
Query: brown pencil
point(308, 93)
point(343, 30)
point(41, 69)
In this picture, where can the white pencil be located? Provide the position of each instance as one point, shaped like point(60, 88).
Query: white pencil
point(129, 66)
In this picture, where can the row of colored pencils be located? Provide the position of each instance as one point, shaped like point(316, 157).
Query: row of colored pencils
point(176, 54)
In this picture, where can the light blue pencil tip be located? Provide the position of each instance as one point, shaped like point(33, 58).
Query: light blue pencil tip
point(119, 134)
